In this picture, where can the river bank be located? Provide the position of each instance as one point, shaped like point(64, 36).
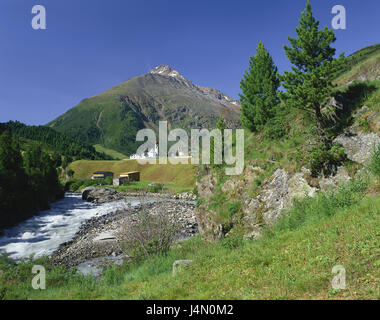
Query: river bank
point(75, 232)
point(101, 237)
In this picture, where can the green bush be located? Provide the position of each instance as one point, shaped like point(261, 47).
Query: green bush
point(374, 165)
point(108, 181)
point(149, 235)
point(275, 128)
point(156, 187)
point(325, 160)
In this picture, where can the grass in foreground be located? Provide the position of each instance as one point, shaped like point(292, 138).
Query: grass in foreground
point(291, 262)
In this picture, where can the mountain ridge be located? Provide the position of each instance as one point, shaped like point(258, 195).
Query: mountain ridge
point(113, 117)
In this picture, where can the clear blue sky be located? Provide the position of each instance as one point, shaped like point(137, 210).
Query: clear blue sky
point(92, 45)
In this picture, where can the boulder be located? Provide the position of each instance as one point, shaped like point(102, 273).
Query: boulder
point(207, 225)
point(86, 192)
point(358, 146)
point(100, 195)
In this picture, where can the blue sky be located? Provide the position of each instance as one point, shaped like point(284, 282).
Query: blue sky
point(92, 45)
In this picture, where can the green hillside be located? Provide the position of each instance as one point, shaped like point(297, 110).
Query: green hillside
point(181, 175)
point(109, 152)
point(363, 65)
point(51, 141)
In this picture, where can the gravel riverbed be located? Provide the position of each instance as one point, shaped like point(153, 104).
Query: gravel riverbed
point(98, 241)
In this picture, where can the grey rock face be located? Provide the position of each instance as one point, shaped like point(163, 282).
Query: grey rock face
point(282, 190)
point(277, 193)
point(358, 146)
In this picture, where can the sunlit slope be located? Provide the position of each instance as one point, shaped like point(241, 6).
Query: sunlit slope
point(183, 175)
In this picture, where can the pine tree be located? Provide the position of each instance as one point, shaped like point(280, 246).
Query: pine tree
point(10, 155)
point(259, 87)
point(309, 85)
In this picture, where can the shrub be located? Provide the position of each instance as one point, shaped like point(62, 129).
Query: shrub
point(276, 127)
point(108, 181)
point(156, 187)
point(374, 165)
point(325, 160)
point(150, 234)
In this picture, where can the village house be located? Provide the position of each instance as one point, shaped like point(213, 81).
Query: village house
point(101, 175)
point(126, 177)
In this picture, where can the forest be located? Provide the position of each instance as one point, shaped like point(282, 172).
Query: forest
point(54, 141)
point(28, 180)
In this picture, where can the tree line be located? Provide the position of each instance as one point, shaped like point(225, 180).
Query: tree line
point(61, 143)
point(28, 181)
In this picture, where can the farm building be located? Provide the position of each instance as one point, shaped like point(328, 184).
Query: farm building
point(101, 175)
point(126, 177)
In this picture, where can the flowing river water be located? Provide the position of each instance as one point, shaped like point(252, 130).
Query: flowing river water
point(42, 234)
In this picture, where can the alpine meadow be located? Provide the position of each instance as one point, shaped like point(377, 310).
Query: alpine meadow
point(101, 219)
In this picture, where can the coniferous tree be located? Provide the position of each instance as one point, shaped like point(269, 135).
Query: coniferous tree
point(309, 85)
point(10, 156)
point(259, 87)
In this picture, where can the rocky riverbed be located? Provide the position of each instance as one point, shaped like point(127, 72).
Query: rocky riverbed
point(99, 240)
point(102, 195)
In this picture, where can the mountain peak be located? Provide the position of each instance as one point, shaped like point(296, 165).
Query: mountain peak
point(165, 70)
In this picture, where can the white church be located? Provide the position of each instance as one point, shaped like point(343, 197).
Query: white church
point(152, 153)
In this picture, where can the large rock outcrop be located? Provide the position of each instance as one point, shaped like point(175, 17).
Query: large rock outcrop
point(281, 190)
point(358, 146)
point(276, 194)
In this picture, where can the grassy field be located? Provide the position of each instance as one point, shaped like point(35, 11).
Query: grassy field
point(182, 175)
point(112, 153)
point(293, 261)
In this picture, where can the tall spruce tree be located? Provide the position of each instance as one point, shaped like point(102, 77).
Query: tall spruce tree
point(309, 86)
point(259, 87)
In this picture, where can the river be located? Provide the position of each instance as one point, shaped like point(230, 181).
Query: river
point(42, 234)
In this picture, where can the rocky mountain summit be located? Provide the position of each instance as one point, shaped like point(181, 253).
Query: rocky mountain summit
point(218, 96)
point(113, 117)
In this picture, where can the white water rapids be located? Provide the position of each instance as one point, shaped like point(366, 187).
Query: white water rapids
point(42, 234)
